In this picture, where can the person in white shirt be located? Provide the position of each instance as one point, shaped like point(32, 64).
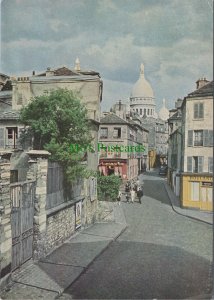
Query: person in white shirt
point(119, 197)
point(132, 195)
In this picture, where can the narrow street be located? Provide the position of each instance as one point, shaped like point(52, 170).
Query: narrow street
point(161, 255)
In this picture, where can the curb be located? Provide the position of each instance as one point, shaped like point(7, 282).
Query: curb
point(99, 254)
point(179, 213)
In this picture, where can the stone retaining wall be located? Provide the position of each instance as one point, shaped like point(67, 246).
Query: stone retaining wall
point(5, 225)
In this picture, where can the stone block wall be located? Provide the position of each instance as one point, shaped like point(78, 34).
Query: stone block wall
point(5, 225)
point(60, 226)
point(53, 226)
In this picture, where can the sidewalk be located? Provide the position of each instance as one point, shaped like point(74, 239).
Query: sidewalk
point(48, 278)
point(206, 217)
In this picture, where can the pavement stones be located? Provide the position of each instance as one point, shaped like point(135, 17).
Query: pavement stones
point(52, 275)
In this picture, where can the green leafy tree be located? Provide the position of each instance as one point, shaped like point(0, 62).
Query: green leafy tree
point(108, 187)
point(56, 120)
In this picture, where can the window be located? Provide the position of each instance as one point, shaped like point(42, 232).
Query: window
point(210, 164)
point(141, 111)
point(198, 110)
point(104, 133)
point(13, 176)
point(137, 110)
point(12, 135)
point(117, 133)
point(198, 138)
point(195, 164)
point(145, 111)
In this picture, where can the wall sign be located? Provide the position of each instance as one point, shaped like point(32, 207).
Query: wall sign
point(78, 213)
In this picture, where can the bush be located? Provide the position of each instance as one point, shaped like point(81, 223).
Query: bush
point(108, 187)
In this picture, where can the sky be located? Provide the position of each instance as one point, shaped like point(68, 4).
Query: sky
point(172, 38)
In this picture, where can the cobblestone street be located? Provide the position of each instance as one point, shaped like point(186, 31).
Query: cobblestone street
point(161, 255)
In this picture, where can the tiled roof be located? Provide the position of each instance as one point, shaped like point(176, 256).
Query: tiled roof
point(7, 86)
point(9, 115)
point(64, 71)
point(112, 119)
point(176, 116)
point(206, 90)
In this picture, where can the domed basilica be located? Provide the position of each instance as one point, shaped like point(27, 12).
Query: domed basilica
point(142, 104)
point(142, 100)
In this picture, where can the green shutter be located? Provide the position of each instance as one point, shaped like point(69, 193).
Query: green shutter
point(189, 164)
point(206, 141)
point(196, 108)
point(210, 164)
point(190, 138)
point(2, 137)
point(200, 164)
point(210, 138)
point(201, 110)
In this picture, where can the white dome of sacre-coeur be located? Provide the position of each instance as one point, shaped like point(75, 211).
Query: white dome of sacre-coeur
point(164, 112)
point(142, 87)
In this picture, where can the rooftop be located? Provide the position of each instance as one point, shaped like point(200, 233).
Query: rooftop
point(206, 90)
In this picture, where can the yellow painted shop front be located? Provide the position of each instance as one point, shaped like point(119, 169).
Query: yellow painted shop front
point(197, 191)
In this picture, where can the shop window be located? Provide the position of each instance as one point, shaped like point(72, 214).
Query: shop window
point(194, 191)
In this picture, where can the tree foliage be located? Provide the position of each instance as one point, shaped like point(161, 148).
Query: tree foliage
point(108, 187)
point(56, 120)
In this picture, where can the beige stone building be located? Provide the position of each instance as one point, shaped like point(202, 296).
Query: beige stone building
point(174, 147)
point(119, 128)
point(142, 103)
point(31, 185)
point(197, 147)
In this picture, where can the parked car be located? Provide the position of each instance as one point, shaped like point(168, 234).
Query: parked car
point(163, 170)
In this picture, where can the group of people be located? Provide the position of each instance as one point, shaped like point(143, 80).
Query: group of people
point(132, 188)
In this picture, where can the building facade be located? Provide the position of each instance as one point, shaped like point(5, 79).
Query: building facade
point(142, 103)
point(175, 147)
point(142, 100)
point(197, 147)
point(127, 162)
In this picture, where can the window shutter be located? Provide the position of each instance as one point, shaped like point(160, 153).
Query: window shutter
point(2, 137)
point(190, 138)
point(189, 164)
point(210, 138)
point(200, 164)
point(201, 110)
point(206, 138)
point(210, 164)
point(195, 110)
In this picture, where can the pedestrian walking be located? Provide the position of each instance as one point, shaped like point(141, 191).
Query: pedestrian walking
point(132, 195)
point(119, 197)
point(140, 193)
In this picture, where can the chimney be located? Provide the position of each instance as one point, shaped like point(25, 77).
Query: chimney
point(49, 72)
point(201, 82)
